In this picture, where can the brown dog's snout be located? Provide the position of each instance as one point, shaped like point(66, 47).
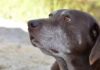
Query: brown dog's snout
point(33, 23)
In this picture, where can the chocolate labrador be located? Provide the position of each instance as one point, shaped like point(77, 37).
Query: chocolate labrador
point(68, 36)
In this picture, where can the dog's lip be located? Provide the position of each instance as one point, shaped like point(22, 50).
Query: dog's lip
point(35, 43)
point(29, 29)
point(31, 37)
point(54, 50)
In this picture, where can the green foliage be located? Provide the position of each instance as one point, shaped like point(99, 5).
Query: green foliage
point(22, 9)
point(31, 9)
point(90, 6)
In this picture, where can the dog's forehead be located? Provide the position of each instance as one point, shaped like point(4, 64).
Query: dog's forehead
point(60, 12)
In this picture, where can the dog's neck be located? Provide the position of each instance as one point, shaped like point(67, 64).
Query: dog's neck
point(74, 63)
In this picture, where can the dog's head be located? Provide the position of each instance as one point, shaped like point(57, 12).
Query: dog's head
point(64, 32)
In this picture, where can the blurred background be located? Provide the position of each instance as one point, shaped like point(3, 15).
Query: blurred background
point(16, 52)
point(27, 9)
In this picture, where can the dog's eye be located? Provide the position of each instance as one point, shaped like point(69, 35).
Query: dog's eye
point(50, 15)
point(67, 18)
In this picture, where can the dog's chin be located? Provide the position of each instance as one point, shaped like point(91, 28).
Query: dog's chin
point(51, 51)
point(38, 45)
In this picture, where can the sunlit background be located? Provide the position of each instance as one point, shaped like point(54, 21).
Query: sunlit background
point(23, 10)
point(16, 52)
point(29, 9)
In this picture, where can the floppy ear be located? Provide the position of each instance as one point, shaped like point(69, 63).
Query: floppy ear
point(95, 52)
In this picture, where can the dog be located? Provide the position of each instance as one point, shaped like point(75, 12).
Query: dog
point(68, 36)
point(95, 55)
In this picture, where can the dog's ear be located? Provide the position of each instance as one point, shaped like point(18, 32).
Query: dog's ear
point(95, 52)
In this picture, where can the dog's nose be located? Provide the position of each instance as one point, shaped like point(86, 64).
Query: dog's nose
point(33, 23)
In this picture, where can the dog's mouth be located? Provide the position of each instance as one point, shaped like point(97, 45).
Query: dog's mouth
point(36, 43)
point(52, 51)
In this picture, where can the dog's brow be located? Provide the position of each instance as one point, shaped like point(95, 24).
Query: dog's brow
point(54, 12)
point(64, 12)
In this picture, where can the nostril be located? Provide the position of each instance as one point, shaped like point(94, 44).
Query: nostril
point(33, 23)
